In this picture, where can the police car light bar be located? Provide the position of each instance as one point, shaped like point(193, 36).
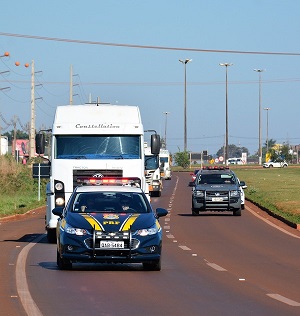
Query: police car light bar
point(109, 181)
point(214, 167)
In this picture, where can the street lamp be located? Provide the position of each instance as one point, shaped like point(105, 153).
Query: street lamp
point(184, 62)
point(226, 113)
point(166, 120)
point(259, 117)
point(267, 141)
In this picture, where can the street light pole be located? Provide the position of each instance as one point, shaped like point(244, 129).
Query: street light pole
point(226, 112)
point(166, 120)
point(184, 62)
point(267, 141)
point(259, 117)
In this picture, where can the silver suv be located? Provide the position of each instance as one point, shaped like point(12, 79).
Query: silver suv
point(217, 189)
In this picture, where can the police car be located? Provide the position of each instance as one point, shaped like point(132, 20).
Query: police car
point(109, 223)
point(217, 189)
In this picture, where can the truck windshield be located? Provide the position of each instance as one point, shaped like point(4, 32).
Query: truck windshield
point(151, 162)
point(97, 147)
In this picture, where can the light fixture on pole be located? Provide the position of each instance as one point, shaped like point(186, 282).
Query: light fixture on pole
point(226, 112)
point(267, 138)
point(259, 117)
point(166, 120)
point(184, 62)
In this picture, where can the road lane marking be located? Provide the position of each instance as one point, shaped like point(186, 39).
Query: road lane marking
point(184, 247)
point(283, 299)
point(170, 236)
point(270, 223)
point(215, 266)
point(21, 281)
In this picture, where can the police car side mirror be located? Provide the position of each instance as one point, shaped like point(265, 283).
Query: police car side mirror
point(192, 184)
point(161, 212)
point(58, 211)
point(243, 184)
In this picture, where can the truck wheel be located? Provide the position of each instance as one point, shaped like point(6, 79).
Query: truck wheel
point(237, 213)
point(51, 235)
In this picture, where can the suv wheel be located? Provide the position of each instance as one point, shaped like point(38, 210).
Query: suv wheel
point(195, 211)
point(237, 213)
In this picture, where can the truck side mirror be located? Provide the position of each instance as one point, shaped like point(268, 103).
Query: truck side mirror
point(40, 144)
point(155, 144)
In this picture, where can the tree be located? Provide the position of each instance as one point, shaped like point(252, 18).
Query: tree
point(181, 159)
point(281, 152)
point(233, 151)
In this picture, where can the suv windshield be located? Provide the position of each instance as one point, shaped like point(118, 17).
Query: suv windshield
point(216, 179)
point(110, 202)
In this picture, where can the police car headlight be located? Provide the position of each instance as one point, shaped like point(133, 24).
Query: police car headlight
point(235, 193)
point(147, 231)
point(199, 193)
point(75, 231)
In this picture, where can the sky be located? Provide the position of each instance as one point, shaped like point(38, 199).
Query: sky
point(127, 52)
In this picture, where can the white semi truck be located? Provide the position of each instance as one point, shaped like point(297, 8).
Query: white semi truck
point(152, 172)
point(165, 161)
point(92, 141)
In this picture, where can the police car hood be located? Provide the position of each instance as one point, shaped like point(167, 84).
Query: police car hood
point(218, 187)
point(111, 221)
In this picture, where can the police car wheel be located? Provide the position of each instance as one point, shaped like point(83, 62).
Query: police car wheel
point(195, 211)
point(152, 265)
point(237, 213)
point(63, 264)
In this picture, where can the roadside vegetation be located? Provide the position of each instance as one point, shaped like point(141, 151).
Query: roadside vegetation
point(275, 189)
point(18, 189)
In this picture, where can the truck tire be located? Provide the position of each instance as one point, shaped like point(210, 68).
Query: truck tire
point(51, 235)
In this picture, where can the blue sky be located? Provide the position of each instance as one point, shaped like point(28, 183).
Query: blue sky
point(153, 78)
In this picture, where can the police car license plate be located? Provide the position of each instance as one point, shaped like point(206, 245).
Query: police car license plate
point(111, 244)
point(217, 199)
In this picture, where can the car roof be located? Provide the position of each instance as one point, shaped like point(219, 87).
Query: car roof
point(213, 171)
point(105, 188)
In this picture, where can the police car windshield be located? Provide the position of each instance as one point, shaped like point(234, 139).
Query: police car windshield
point(216, 179)
point(110, 202)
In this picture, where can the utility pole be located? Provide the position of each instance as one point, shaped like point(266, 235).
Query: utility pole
point(71, 85)
point(32, 116)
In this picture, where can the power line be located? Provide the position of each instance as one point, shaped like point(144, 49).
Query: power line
point(67, 40)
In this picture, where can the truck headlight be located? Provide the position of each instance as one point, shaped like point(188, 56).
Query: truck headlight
point(60, 201)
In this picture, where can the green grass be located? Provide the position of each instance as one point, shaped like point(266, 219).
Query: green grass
point(275, 189)
point(18, 190)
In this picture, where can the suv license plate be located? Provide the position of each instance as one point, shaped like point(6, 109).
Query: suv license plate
point(217, 199)
point(111, 244)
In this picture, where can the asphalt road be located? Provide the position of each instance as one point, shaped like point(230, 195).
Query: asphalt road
point(213, 264)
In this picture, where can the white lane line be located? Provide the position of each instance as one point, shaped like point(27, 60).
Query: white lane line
point(215, 266)
point(170, 236)
point(271, 224)
point(184, 247)
point(283, 299)
point(21, 281)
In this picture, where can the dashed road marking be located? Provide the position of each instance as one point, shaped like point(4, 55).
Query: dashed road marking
point(184, 247)
point(283, 299)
